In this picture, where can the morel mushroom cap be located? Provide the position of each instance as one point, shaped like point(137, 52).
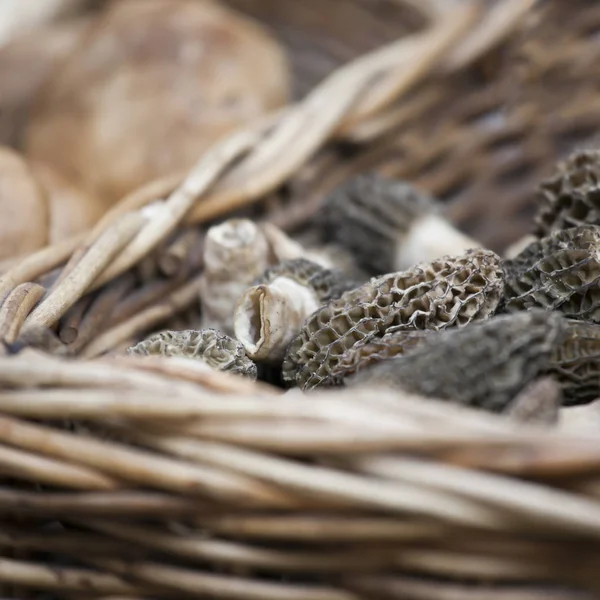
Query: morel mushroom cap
point(218, 351)
point(571, 196)
point(388, 225)
point(484, 365)
point(236, 252)
point(152, 86)
point(270, 313)
point(26, 62)
point(450, 291)
point(575, 363)
point(391, 345)
point(559, 272)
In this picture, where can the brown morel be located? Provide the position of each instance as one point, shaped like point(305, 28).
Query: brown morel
point(388, 225)
point(450, 291)
point(558, 272)
point(571, 196)
point(218, 351)
point(575, 363)
point(391, 345)
point(484, 365)
point(270, 313)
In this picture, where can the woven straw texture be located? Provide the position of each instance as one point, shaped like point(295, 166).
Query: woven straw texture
point(140, 478)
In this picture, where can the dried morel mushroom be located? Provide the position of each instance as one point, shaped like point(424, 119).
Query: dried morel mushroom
point(484, 365)
point(559, 272)
point(450, 291)
point(152, 86)
point(271, 312)
point(236, 252)
point(571, 196)
point(388, 225)
point(218, 351)
point(391, 345)
point(575, 363)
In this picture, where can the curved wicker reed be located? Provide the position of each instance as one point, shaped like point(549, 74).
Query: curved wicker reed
point(149, 478)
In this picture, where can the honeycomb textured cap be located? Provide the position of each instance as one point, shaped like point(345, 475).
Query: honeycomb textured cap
point(575, 363)
point(451, 291)
point(484, 365)
point(369, 215)
point(327, 284)
point(392, 345)
point(571, 196)
point(558, 272)
point(218, 351)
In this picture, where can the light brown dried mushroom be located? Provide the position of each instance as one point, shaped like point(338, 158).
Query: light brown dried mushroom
point(450, 291)
point(236, 252)
point(392, 345)
point(270, 313)
point(17, 16)
point(571, 197)
point(484, 365)
point(72, 211)
point(575, 363)
point(26, 62)
point(218, 351)
point(23, 206)
point(152, 86)
point(388, 225)
point(559, 272)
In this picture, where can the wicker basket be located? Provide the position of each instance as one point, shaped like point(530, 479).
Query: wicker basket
point(129, 478)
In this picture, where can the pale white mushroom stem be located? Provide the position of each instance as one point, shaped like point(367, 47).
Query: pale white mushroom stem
point(430, 237)
point(517, 247)
point(268, 317)
point(284, 247)
point(235, 253)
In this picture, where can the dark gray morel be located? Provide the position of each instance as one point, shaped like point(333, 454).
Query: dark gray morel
point(450, 291)
point(571, 197)
point(484, 365)
point(559, 272)
point(388, 225)
point(215, 349)
point(575, 363)
point(270, 313)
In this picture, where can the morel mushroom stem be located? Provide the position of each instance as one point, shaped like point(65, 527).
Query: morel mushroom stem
point(430, 237)
point(235, 253)
point(268, 317)
point(285, 248)
point(270, 314)
point(388, 225)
